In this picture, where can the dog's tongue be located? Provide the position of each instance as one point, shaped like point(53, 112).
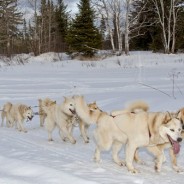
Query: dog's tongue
point(176, 147)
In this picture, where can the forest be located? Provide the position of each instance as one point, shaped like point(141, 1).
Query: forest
point(115, 25)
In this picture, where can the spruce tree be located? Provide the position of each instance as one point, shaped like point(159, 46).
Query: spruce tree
point(61, 17)
point(83, 36)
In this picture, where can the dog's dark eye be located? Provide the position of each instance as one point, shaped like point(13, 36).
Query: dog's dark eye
point(71, 104)
point(172, 130)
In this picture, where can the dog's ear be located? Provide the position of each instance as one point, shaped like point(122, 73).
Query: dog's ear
point(178, 113)
point(40, 101)
point(65, 98)
point(182, 111)
point(167, 118)
point(54, 102)
point(22, 109)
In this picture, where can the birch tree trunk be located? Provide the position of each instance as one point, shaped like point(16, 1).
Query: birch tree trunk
point(109, 28)
point(105, 9)
point(117, 12)
point(174, 27)
point(162, 18)
point(127, 27)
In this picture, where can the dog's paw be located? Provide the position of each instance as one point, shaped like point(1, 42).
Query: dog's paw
point(50, 140)
point(97, 160)
point(157, 169)
point(73, 141)
point(121, 163)
point(64, 139)
point(134, 171)
point(178, 169)
point(141, 162)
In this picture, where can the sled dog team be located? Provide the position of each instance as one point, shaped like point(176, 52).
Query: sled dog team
point(134, 126)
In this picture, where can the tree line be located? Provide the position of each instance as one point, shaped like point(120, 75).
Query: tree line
point(116, 25)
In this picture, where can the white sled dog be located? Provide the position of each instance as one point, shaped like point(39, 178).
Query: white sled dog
point(42, 114)
point(16, 114)
point(62, 117)
point(133, 129)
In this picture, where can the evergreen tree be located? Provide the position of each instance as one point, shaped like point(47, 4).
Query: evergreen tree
point(83, 36)
point(61, 16)
point(10, 18)
point(61, 25)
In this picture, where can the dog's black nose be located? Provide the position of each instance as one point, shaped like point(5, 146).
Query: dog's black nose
point(179, 139)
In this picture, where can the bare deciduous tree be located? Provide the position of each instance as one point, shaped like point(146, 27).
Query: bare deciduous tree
point(110, 10)
point(167, 18)
point(119, 11)
point(36, 41)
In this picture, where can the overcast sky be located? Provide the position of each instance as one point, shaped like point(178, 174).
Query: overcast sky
point(72, 5)
point(27, 7)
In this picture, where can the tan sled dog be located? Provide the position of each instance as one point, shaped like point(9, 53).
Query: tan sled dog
point(16, 114)
point(60, 116)
point(157, 117)
point(133, 129)
point(42, 114)
point(83, 125)
point(162, 147)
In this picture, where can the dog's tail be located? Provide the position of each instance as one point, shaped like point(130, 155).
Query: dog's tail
point(138, 106)
point(46, 104)
point(135, 107)
point(41, 111)
point(40, 102)
point(3, 115)
point(7, 107)
point(82, 110)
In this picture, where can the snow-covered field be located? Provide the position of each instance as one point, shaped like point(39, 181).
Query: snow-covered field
point(28, 158)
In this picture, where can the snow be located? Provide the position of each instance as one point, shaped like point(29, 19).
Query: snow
point(27, 158)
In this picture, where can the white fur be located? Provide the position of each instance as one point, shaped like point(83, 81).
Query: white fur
point(62, 117)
